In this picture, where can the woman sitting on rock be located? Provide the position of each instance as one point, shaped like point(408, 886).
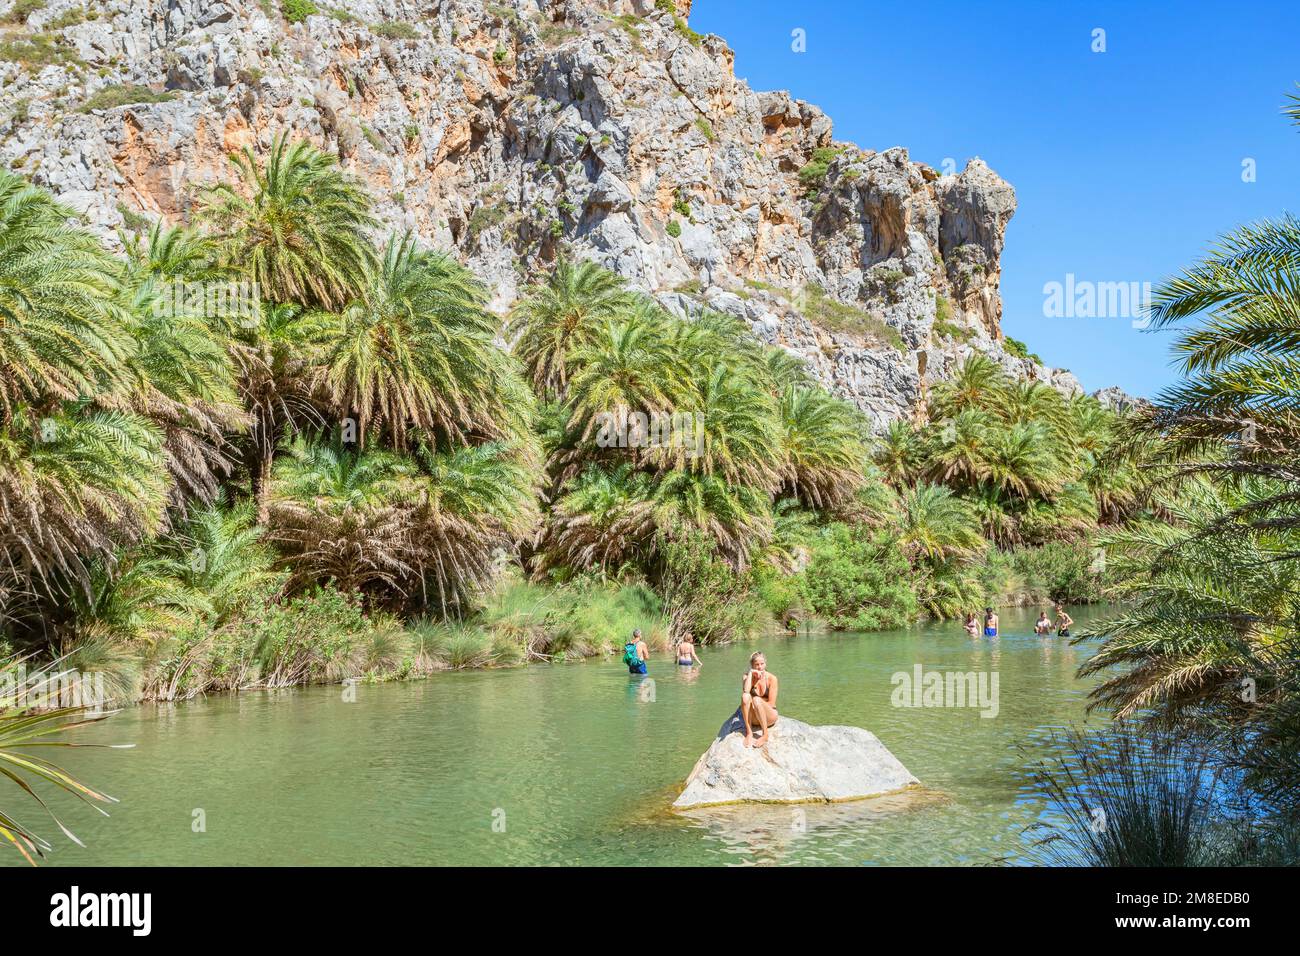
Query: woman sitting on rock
point(758, 700)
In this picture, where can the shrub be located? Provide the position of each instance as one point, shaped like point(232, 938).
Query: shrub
point(37, 49)
point(123, 94)
point(296, 11)
point(320, 637)
point(22, 9)
point(674, 228)
point(704, 595)
point(522, 622)
point(1019, 349)
point(1064, 571)
point(395, 30)
point(952, 330)
point(857, 580)
point(813, 175)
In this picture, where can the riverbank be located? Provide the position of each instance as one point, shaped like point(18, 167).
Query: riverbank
point(429, 765)
point(326, 637)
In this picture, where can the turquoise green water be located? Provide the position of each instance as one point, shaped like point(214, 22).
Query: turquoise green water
point(571, 764)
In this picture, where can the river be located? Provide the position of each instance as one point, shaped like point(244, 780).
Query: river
point(571, 763)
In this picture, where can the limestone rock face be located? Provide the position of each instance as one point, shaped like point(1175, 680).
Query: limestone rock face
point(801, 763)
point(508, 132)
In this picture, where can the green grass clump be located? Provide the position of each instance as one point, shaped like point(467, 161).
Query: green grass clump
point(836, 316)
point(631, 25)
point(296, 11)
point(554, 34)
point(952, 330)
point(21, 10)
point(38, 50)
point(395, 30)
point(674, 228)
point(123, 94)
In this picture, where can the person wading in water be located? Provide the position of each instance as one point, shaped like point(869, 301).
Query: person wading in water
point(990, 623)
point(635, 654)
point(1063, 622)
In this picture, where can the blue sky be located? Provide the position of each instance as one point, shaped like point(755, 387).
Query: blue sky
point(1127, 164)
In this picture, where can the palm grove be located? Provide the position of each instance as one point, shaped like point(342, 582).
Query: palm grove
point(352, 474)
point(357, 478)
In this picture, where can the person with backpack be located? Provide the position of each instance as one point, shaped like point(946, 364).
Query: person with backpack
point(635, 654)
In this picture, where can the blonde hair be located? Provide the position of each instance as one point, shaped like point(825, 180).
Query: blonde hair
point(755, 656)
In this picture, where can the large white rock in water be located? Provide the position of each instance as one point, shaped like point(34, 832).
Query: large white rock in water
point(801, 763)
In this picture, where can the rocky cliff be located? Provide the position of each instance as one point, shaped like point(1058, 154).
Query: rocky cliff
point(510, 131)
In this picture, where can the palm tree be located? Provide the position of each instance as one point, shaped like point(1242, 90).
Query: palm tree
point(990, 508)
point(604, 521)
point(609, 519)
point(72, 486)
point(822, 446)
point(475, 505)
point(340, 516)
point(1022, 403)
point(1205, 612)
point(936, 524)
point(624, 369)
point(296, 224)
point(1236, 414)
point(899, 453)
point(563, 315)
point(978, 384)
point(739, 426)
point(416, 350)
point(277, 360)
point(61, 336)
point(34, 722)
point(218, 554)
point(1021, 462)
point(173, 252)
point(406, 532)
point(959, 448)
point(181, 377)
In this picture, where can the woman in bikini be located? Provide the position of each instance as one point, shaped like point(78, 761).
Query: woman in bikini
point(972, 625)
point(758, 700)
point(686, 655)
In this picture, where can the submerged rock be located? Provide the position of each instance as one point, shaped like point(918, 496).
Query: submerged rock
point(801, 763)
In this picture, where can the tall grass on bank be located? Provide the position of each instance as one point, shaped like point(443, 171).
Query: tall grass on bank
point(1125, 796)
point(326, 636)
point(522, 622)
